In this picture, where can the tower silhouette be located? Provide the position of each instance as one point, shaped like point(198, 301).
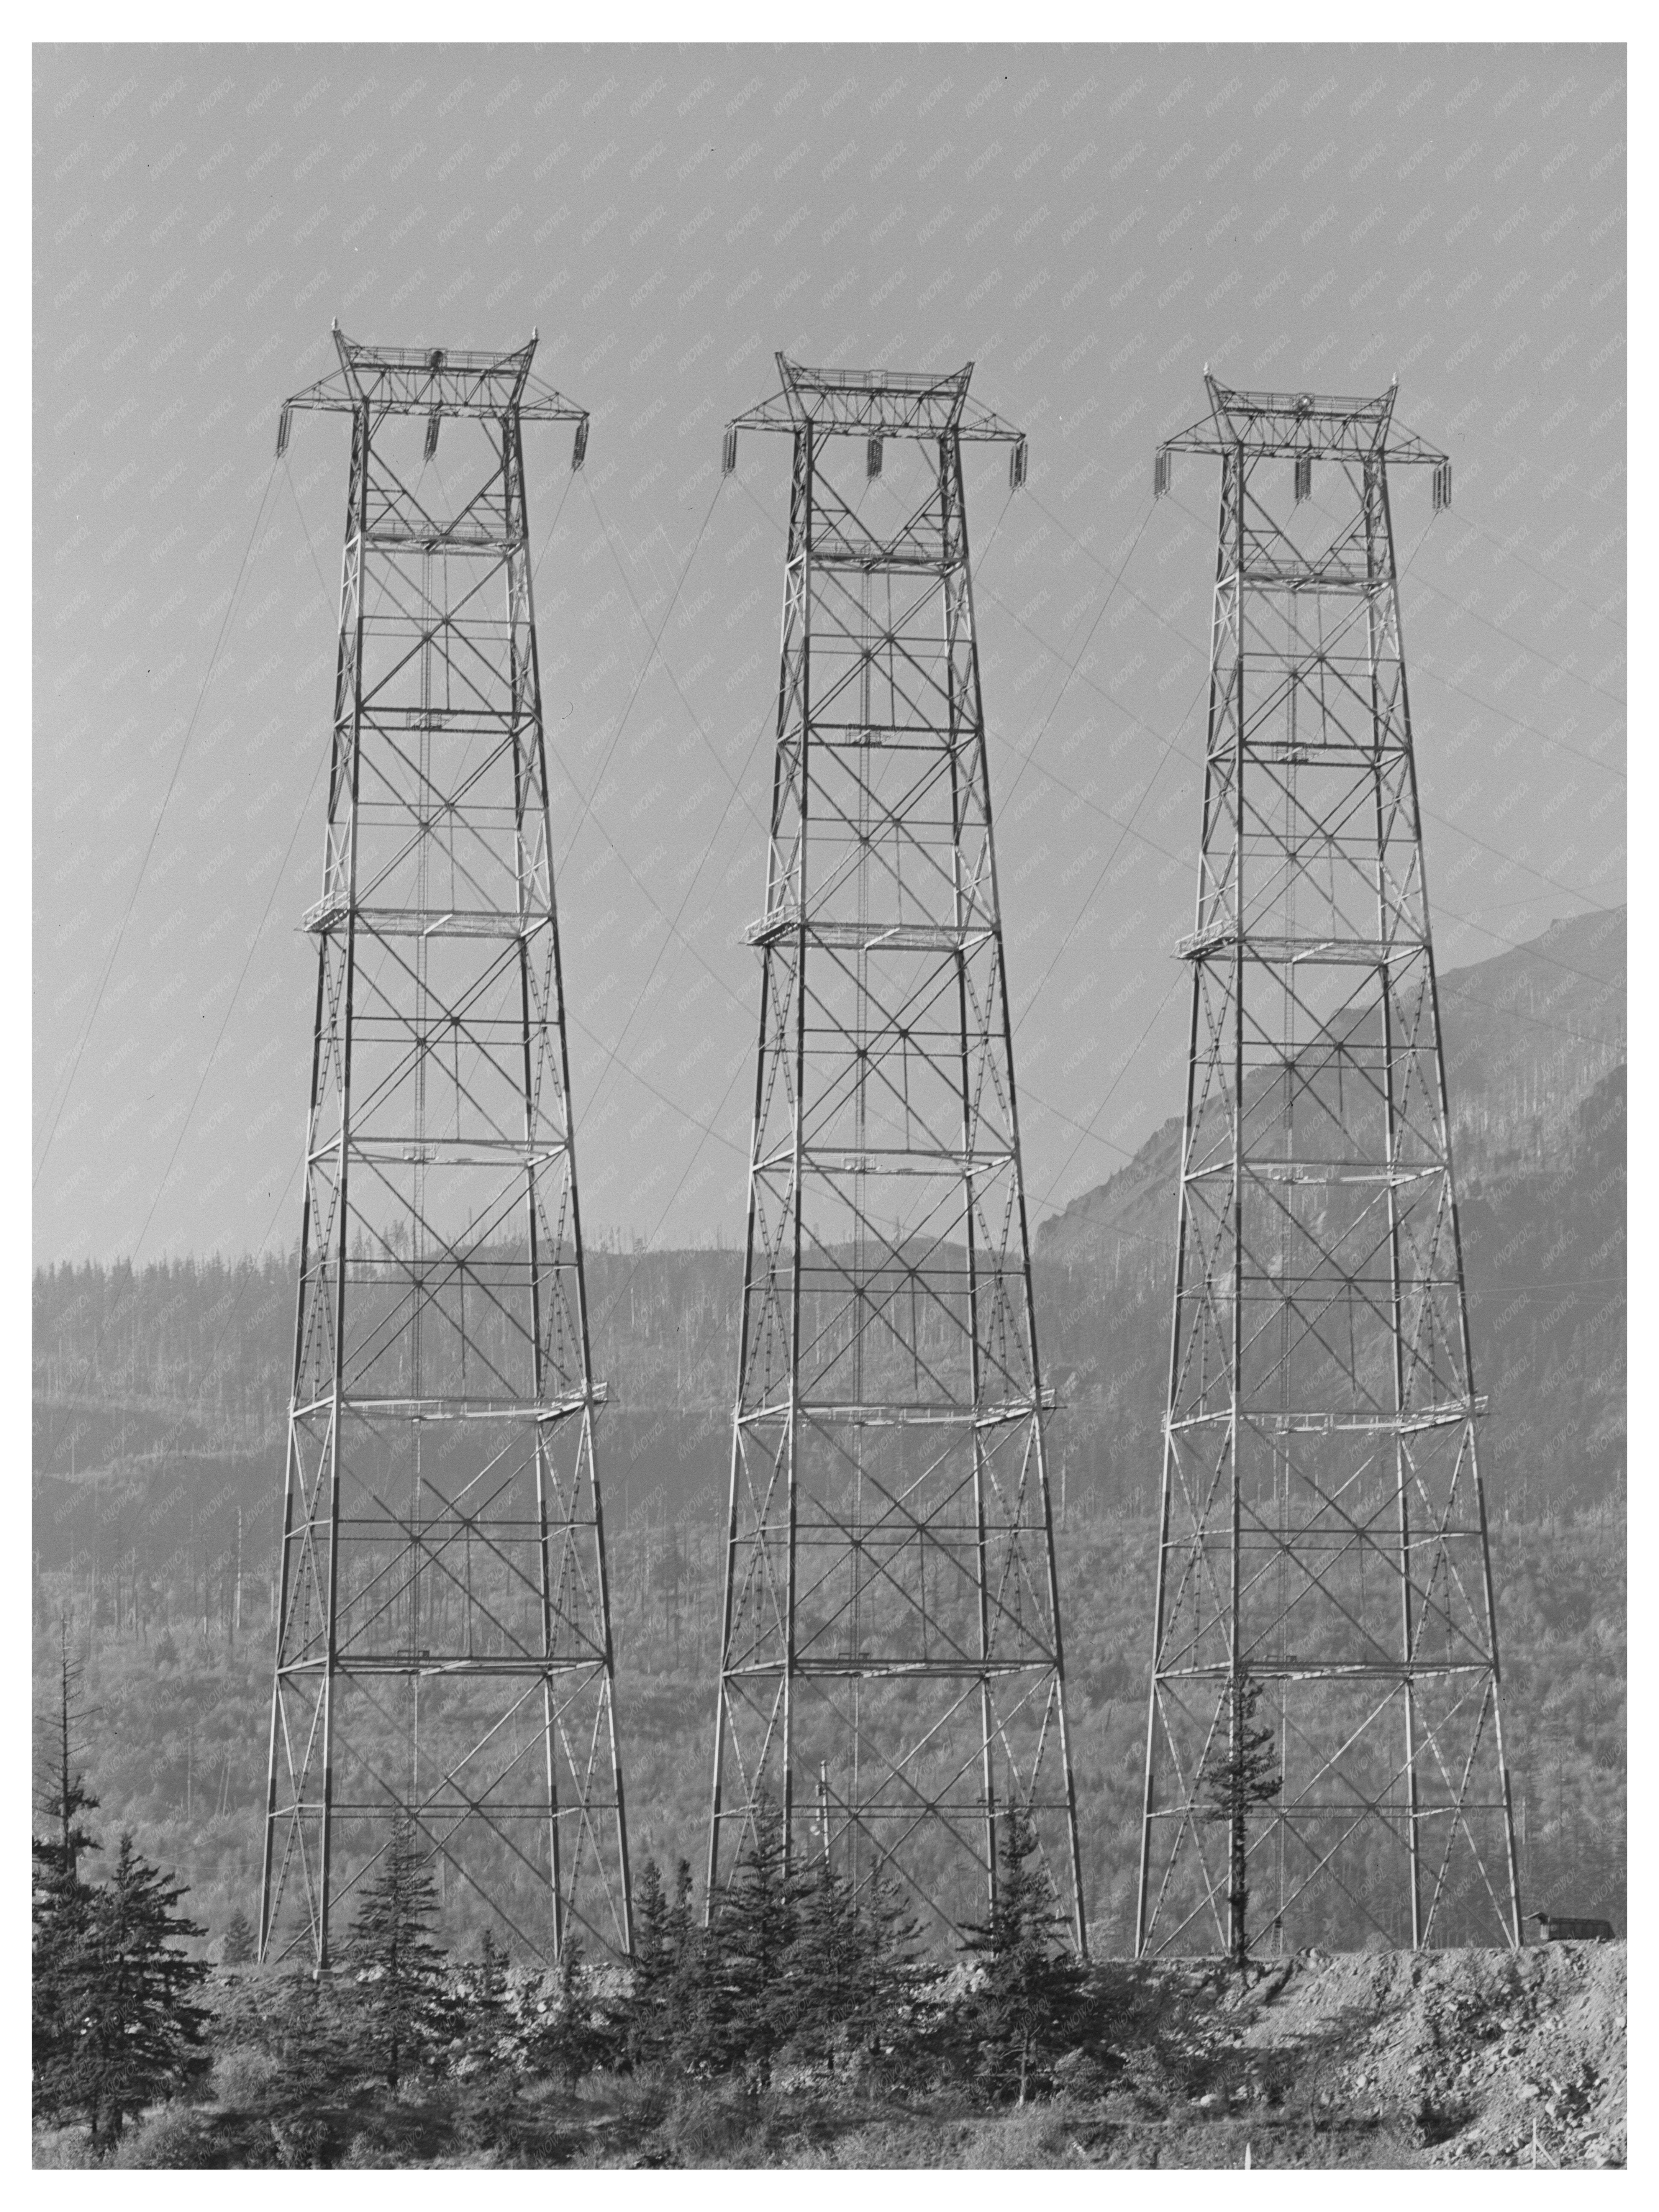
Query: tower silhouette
point(1323, 1555)
point(444, 1654)
point(891, 1667)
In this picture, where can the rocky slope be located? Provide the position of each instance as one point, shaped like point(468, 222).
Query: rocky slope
point(1460, 2059)
point(1472, 2050)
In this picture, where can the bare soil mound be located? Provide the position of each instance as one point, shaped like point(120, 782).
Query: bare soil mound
point(1458, 2058)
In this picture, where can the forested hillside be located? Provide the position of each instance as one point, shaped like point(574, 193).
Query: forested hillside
point(158, 1424)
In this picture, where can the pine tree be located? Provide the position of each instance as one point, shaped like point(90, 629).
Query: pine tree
point(484, 2005)
point(484, 1981)
point(297, 2019)
point(677, 2012)
point(748, 2007)
point(845, 1973)
point(1029, 2002)
point(566, 2039)
point(489, 2050)
point(1239, 1776)
point(688, 1966)
point(239, 1945)
point(63, 1795)
point(137, 2031)
point(398, 1963)
point(61, 1905)
point(662, 2019)
point(644, 2030)
point(650, 1921)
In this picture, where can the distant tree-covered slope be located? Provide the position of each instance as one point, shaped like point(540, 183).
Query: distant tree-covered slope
point(160, 1396)
point(179, 1716)
point(1535, 1057)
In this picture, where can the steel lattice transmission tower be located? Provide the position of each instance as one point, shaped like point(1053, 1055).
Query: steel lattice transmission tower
point(892, 1669)
point(1323, 1546)
point(444, 1647)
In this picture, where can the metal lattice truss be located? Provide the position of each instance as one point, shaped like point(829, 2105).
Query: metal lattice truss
point(444, 1641)
point(891, 1667)
point(1324, 1530)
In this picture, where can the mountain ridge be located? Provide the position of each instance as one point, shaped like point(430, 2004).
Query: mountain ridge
point(1548, 1012)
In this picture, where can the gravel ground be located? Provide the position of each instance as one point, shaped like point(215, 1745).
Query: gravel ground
point(1497, 2056)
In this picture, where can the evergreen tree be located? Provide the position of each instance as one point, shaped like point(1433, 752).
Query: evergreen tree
point(1028, 2005)
point(61, 1905)
point(60, 1908)
point(566, 2039)
point(406, 2010)
point(239, 1944)
point(297, 2019)
point(62, 1794)
point(1239, 1776)
point(485, 1995)
point(489, 2043)
point(650, 1921)
point(489, 2050)
point(645, 2031)
point(685, 1980)
point(748, 1998)
point(137, 2031)
point(666, 2005)
point(845, 1973)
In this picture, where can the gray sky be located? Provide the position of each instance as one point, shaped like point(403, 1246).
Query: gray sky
point(1089, 225)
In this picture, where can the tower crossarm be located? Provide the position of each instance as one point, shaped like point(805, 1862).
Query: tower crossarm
point(877, 403)
point(435, 381)
point(1299, 425)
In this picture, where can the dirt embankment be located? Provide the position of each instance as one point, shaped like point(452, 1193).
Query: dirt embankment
point(1449, 2059)
point(1378, 2059)
point(1517, 2048)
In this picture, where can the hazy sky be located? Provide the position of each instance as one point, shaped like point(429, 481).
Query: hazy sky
point(1089, 226)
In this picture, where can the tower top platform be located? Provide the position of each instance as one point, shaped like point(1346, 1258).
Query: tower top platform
point(876, 403)
point(1300, 424)
point(441, 379)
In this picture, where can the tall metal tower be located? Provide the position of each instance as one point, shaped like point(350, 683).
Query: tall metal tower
point(891, 1670)
point(444, 1650)
point(1323, 1552)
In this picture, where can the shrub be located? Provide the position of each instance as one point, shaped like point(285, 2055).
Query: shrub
point(176, 2136)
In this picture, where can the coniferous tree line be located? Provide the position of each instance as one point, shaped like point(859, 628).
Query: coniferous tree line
point(116, 2024)
point(175, 1744)
point(401, 2050)
point(797, 1995)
